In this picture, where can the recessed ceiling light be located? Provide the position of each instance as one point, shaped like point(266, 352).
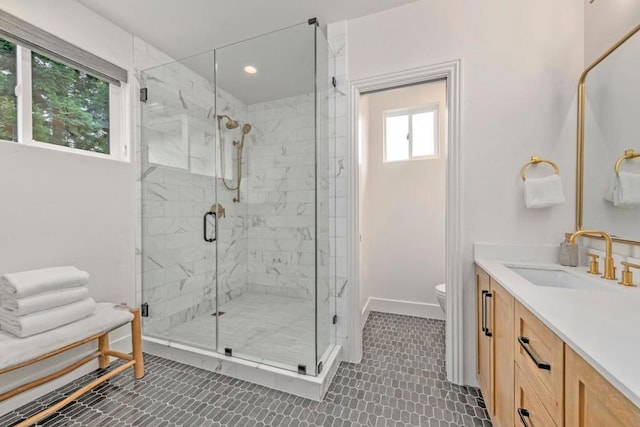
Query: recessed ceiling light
point(250, 69)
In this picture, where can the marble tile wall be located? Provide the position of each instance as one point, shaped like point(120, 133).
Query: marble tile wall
point(176, 156)
point(281, 197)
point(232, 230)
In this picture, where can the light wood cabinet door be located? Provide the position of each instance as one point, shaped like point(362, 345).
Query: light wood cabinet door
point(591, 400)
point(502, 304)
point(540, 355)
point(485, 353)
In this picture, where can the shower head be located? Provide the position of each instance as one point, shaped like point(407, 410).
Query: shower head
point(230, 124)
point(246, 128)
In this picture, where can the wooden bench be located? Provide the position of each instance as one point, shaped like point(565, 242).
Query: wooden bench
point(16, 353)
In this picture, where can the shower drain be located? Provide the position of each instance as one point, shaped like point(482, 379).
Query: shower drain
point(218, 314)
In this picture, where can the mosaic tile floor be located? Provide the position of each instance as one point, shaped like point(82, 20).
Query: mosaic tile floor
point(400, 382)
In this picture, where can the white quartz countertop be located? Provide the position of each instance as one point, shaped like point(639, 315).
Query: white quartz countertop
point(602, 324)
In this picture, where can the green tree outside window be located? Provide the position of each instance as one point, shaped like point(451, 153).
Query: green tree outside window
point(70, 107)
point(8, 100)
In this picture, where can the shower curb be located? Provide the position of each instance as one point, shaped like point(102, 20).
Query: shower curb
point(306, 386)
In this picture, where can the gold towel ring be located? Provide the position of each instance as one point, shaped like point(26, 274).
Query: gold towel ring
point(534, 161)
point(628, 154)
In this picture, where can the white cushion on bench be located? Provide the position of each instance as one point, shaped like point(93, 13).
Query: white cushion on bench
point(14, 350)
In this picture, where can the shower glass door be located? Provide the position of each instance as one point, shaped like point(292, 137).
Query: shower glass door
point(178, 201)
point(267, 264)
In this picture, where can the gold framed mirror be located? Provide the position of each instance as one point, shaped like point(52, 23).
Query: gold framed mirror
point(608, 140)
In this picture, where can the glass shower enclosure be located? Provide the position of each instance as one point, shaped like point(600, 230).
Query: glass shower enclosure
point(236, 188)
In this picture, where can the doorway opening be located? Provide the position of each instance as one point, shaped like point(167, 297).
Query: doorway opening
point(402, 200)
point(450, 73)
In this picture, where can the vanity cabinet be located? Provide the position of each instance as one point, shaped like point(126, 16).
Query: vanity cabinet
point(590, 400)
point(495, 348)
point(530, 377)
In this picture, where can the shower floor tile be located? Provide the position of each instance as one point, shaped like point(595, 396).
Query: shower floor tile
point(264, 328)
point(401, 381)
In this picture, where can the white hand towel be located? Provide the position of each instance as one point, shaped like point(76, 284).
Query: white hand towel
point(613, 194)
point(28, 283)
point(40, 302)
point(628, 198)
point(35, 323)
point(629, 188)
point(543, 192)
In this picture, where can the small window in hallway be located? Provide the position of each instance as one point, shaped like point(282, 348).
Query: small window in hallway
point(411, 134)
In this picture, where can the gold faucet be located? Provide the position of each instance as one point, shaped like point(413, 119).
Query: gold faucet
point(627, 275)
point(609, 266)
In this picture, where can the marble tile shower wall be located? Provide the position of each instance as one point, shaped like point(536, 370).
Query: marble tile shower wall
point(281, 195)
point(233, 236)
point(177, 162)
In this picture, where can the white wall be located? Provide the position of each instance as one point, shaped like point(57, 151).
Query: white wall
point(521, 62)
point(364, 182)
point(63, 208)
point(402, 248)
point(606, 21)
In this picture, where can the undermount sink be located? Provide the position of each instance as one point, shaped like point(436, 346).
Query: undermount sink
point(555, 278)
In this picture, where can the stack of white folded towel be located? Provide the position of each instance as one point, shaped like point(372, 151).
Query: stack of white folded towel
point(625, 191)
point(36, 301)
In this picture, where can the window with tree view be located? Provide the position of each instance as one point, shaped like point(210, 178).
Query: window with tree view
point(46, 101)
point(8, 99)
point(70, 108)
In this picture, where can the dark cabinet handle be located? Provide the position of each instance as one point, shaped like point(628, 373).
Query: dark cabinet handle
point(204, 227)
point(487, 332)
point(524, 414)
point(524, 343)
point(484, 311)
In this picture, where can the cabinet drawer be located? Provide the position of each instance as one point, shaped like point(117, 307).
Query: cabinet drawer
point(529, 410)
point(540, 356)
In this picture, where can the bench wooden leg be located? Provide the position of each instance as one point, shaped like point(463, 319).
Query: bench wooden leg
point(103, 346)
point(73, 396)
point(103, 354)
point(136, 338)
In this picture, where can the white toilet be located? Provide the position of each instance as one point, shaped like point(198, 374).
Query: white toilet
point(441, 294)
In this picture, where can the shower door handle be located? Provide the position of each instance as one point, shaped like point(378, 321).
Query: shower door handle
point(215, 226)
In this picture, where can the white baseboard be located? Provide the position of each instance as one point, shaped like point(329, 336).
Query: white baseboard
point(365, 313)
point(40, 369)
point(407, 308)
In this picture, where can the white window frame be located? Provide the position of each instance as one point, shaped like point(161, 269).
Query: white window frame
point(427, 108)
point(118, 147)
